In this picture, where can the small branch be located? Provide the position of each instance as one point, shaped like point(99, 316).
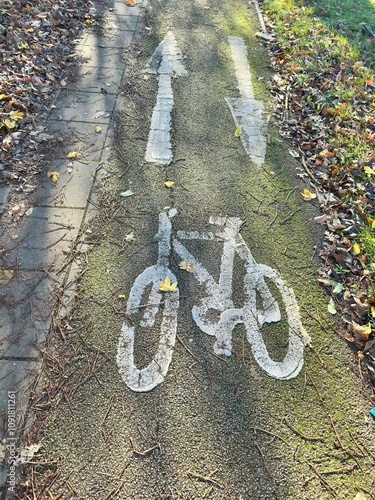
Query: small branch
point(323, 481)
point(273, 220)
point(206, 479)
point(334, 428)
point(188, 350)
point(306, 169)
point(313, 383)
point(264, 460)
point(143, 453)
point(270, 433)
point(147, 305)
point(308, 438)
point(290, 216)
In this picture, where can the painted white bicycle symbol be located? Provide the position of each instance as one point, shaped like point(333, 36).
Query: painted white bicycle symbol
point(217, 297)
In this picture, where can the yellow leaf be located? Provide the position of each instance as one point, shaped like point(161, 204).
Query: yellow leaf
point(98, 129)
point(88, 21)
point(307, 195)
point(166, 286)
point(361, 331)
point(2, 96)
point(169, 184)
point(355, 249)
point(73, 154)
point(121, 297)
point(9, 124)
point(16, 115)
point(53, 106)
point(369, 170)
point(185, 264)
point(53, 175)
point(129, 237)
point(238, 132)
point(5, 276)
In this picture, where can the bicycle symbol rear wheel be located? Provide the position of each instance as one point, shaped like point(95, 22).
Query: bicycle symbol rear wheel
point(146, 379)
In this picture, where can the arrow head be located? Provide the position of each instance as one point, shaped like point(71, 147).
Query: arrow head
point(167, 58)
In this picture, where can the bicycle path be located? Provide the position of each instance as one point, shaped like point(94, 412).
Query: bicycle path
point(235, 381)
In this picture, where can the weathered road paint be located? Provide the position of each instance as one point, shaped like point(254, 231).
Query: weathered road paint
point(248, 113)
point(218, 297)
point(151, 376)
point(166, 60)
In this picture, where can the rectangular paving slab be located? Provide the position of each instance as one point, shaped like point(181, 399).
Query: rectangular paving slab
point(45, 238)
point(84, 106)
point(72, 188)
point(15, 380)
point(27, 303)
point(93, 79)
point(100, 55)
point(85, 138)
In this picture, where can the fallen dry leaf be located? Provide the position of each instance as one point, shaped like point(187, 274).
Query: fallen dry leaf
point(293, 153)
point(166, 286)
point(73, 154)
point(54, 175)
point(306, 339)
point(307, 195)
point(369, 170)
point(16, 115)
point(185, 264)
point(331, 307)
point(129, 237)
point(5, 276)
point(9, 124)
point(321, 219)
point(355, 249)
point(169, 184)
point(362, 331)
point(360, 306)
point(14, 210)
point(98, 129)
point(238, 132)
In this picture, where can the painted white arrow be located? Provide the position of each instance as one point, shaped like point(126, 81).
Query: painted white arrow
point(167, 61)
point(248, 113)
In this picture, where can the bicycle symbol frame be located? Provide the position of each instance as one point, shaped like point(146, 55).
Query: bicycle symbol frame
point(217, 297)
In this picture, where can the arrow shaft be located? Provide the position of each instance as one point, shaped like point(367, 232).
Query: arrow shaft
point(241, 66)
point(159, 148)
point(166, 60)
point(248, 113)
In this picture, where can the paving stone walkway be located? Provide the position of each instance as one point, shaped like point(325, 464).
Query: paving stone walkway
point(39, 252)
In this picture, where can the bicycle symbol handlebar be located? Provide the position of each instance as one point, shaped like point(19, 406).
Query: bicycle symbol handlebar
point(217, 296)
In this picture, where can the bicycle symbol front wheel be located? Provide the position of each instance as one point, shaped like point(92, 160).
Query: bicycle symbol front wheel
point(293, 361)
point(146, 379)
